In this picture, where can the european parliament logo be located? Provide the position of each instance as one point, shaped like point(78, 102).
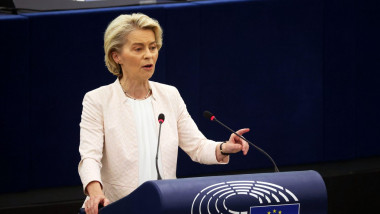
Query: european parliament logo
point(277, 209)
point(245, 197)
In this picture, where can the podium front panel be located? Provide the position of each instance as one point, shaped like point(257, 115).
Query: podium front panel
point(275, 193)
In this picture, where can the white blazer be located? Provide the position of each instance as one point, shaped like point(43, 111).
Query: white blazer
point(108, 138)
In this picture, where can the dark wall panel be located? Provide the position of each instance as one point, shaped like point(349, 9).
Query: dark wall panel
point(261, 67)
point(368, 77)
point(339, 80)
point(15, 141)
point(351, 79)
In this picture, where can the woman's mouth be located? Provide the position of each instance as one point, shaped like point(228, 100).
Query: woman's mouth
point(148, 66)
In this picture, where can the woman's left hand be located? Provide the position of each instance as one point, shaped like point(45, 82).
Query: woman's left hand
point(235, 144)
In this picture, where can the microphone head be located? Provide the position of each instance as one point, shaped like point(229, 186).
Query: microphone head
point(161, 118)
point(208, 115)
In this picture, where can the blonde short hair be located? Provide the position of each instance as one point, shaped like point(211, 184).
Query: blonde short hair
point(119, 28)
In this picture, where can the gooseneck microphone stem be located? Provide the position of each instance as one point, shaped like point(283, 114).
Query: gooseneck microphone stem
point(161, 119)
point(158, 146)
point(210, 116)
point(216, 120)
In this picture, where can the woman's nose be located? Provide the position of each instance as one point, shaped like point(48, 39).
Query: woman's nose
point(148, 54)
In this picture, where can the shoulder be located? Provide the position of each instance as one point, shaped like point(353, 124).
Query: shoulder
point(163, 88)
point(99, 94)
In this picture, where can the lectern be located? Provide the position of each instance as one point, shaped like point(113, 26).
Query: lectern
point(266, 193)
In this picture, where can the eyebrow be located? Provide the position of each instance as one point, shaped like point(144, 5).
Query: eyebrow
point(144, 44)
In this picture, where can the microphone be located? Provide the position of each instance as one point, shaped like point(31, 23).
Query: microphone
point(208, 115)
point(161, 119)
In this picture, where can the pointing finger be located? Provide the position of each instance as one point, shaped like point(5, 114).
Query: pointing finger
point(242, 131)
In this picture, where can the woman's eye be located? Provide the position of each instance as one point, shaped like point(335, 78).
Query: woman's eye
point(153, 48)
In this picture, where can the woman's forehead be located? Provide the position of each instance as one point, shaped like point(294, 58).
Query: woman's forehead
point(141, 36)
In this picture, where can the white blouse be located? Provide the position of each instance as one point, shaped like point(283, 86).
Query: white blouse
point(147, 138)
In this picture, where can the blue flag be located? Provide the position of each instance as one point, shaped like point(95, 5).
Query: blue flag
point(277, 209)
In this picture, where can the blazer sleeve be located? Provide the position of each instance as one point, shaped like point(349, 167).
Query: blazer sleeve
point(91, 141)
point(191, 140)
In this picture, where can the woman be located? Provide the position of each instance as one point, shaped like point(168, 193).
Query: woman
point(119, 121)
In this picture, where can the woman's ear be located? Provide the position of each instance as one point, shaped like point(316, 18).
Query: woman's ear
point(115, 57)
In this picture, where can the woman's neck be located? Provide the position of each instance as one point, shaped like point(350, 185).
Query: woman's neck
point(135, 89)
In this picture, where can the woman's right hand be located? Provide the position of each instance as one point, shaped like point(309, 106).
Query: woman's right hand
point(96, 199)
point(92, 205)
